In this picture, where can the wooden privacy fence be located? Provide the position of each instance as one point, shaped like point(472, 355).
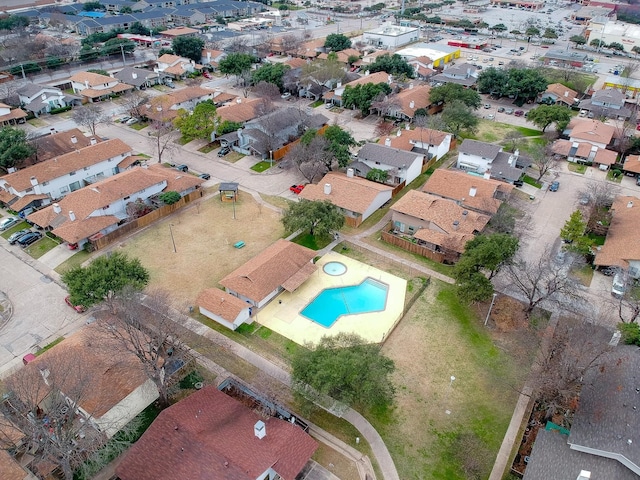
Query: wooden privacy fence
point(411, 247)
point(148, 219)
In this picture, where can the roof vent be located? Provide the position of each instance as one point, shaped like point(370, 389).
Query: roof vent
point(412, 104)
point(584, 475)
point(387, 142)
point(327, 188)
point(465, 213)
point(630, 204)
point(456, 224)
point(473, 191)
point(34, 181)
point(350, 172)
point(72, 216)
point(74, 139)
point(238, 100)
point(93, 141)
point(260, 429)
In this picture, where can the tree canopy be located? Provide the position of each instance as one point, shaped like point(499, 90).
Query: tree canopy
point(578, 40)
point(200, 123)
point(573, 233)
point(393, 65)
point(235, 64)
point(337, 42)
point(347, 369)
point(361, 96)
point(452, 91)
point(189, 47)
point(457, 117)
point(104, 276)
point(117, 45)
point(319, 218)
point(271, 73)
point(517, 83)
point(545, 115)
point(14, 147)
point(339, 143)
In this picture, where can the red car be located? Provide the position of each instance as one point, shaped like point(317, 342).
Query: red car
point(77, 308)
point(206, 74)
point(519, 113)
point(296, 188)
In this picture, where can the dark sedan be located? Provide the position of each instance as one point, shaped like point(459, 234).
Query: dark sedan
point(17, 235)
point(29, 238)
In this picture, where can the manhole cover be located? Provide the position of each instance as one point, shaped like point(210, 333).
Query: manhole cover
point(45, 279)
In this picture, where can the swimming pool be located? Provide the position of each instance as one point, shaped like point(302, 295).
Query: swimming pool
point(335, 269)
point(332, 303)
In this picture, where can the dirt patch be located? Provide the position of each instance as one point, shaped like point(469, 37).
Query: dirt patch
point(204, 235)
point(508, 314)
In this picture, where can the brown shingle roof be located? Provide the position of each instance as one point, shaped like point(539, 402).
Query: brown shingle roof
point(26, 200)
point(591, 130)
point(564, 94)
point(296, 62)
point(457, 186)
point(351, 193)
point(177, 181)
point(176, 32)
point(57, 144)
point(10, 468)
point(418, 134)
point(240, 112)
point(375, 78)
point(221, 303)
point(621, 244)
point(14, 114)
point(210, 435)
point(632, 164)
point(95, 93)
point(268, 270)
point(419, 95)
point(93, 79)
point(64, 164)
point(563, 147)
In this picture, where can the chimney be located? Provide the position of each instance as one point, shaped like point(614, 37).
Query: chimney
point(74, 139)
point(86, 83)
point(473, 191)
point(350, 172)
point(487, 175)
point(630, 204)
point(238, 100)
point(134, 75)
point(412, 104)
point(159, 109)
point(43, 97)
point(456, 223)
point(93, 141)
point(208, 57)
point(406, 126)
point(260, 429)
point(56, 208)
point(566, 93)
point(398, 133)
point(327, 188)
point(387, 142)
point(367, 73)
point(34, 181)
point(584, 475)
point(411, 86)
point(339, 84)
point(72, 216)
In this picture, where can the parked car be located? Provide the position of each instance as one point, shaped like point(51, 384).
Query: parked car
point(519, 113)
point(330, 105)
point(205, 176)
point(8, 222)
point(206, 74)
point(223, 151)
point(508, 111)
point(29, 238)
point(170, 85)
point(77, 308)
point(491, 116)
point(487, 106)
point(125, 119)
point(16, 236)
point(618, 287)
point(285, 95)
point(554, 186)
point(296, 188)
point(182, 168)
point(131, 121)
point(500, 109)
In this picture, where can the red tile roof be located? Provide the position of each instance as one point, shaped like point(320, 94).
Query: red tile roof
point(209, 435)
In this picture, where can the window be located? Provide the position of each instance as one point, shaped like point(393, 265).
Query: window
point(64, 190)
point(28, 190)
point(44, 184)
point(377, 163)
point(127, 197)
point(72, 173)
point(86, 168)
point(74, 186)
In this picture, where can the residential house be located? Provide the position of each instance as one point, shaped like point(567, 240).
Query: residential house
point(632, 165)
point(335, 96)
point(463, 74)
point(155, 18)
point(114, 6)
point(584, 152)
point(402, 167)
point(403, 105)
point(356, 197)
point(282, 266)
point(212, 435)
point(242, 110)
point(488, 159)
point(108, 390)
point(224, 308)
point(431, 143)
point(423, 67)
point(188, 15)
point(139, 78)
point(52, 179)
point(438, 224)
point(11, 468)
point(164, 108)
point(211, 58)
point(175, 66)
point(172, 33)
point(609, 103)
point(343, 56)
point(55, 144)
point(372, 57)
point(621, 248)
point(593, 131)
point(100, 208)
point(11, 116)
point(558, 94)
point(39, 99)
point(471, 192)
point(96, 87)
point(602, 442)
point(270, 132)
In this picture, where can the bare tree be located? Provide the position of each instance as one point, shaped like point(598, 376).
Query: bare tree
point(319, 72)
point(383, 128)
point(163, 134)
point(266, 90)
point(600, 194)
point(543, 159)
point(310, 160)
point(238, 45)
point(627, 304)
point(291, 43)
point(89, 116)
point(147, 327)
point(513, 140)
point(540, 280)
point(384, 105)
point(134, 101)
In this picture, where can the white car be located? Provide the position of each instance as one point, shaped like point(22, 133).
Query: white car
point(9, 222)
point(619, 285)
point(285, 96)
point(131, 121)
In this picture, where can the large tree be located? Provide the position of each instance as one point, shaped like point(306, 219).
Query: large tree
point(393, 65)
point(340, 141)
point(347, 369)
point(116, 46)
point(271, 73)
point(450, 92)
point(200, 123)
point(236, 64)
point(89, 116)
point(189, 47)
point(14, 147)
point(337, 42)
point(322, 72)
point(362, 96)
point(319, 218)
point(457, 117)
point(573, 233)
point(524, 83)
point(545, 115)
point(543, 158)
point(104, 277)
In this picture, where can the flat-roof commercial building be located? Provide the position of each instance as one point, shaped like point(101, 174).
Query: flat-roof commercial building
point(391, 36)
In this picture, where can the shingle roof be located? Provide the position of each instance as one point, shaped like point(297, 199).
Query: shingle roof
point(57, 144)
point(418, 134)
point(591, 130)
point(612, 96)
point(64, 164)
point(564, 147)
point(632, 164)
point(127, 74)
point(621, 244)
point(93, 79)
point(31, 89)
point(221, 303)
point(174, 32)
point(375, 78)
point(268, 270)
point(394, 157)
point(481, 149)
point(351, 193)
point(209, 435)
point(563, 93)
point(458, 186)
point(502, 169)
point(240, 112)
point(10, 468)
point(419, 95)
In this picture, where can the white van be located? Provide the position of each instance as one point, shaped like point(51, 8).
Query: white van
point(619, 285)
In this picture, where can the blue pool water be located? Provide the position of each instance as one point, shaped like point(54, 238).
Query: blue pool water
point(331, 303)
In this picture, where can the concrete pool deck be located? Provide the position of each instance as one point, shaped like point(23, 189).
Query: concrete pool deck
point(282, 314)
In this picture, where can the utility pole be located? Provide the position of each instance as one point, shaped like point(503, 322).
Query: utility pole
point(124, 63)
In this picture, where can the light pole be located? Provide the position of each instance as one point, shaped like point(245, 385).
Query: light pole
point(493, 300)
point(172, 239)
point(270, 158)
point(124, 63)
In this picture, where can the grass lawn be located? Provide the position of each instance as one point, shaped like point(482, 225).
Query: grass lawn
point(261, 166)
point(317, 103)
point(42, 246)
point(529, 132)
point(440, 338)
point(576, 167)
point(10, 231)
point(233, 156)
point(596, 240)
point(311, 242)
point(47, 347)
point(209, 147)
point(204, 235)
point(531, 181)
point(183, 140)
point(37, 122)
point(583, 274)
point(139, 126)
point(611, 176)
point(74, 261)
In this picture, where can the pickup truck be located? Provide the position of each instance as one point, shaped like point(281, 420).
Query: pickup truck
point(296, 188)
